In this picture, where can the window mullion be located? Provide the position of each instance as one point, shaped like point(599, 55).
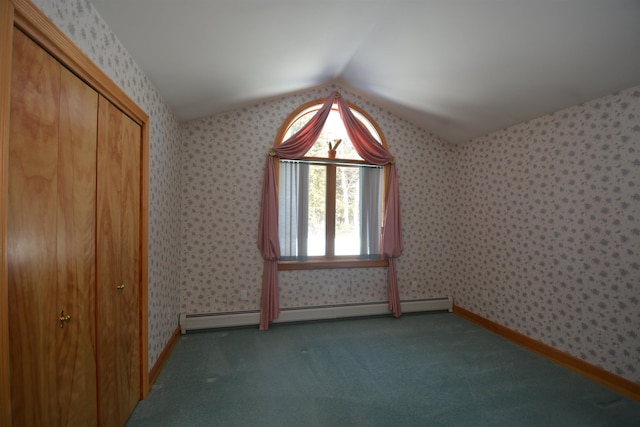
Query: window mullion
point(331, 211)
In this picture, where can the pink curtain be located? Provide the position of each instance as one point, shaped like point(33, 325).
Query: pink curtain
point(268, 241)
point(294, 148)
point(269, 246)
point(373, 152)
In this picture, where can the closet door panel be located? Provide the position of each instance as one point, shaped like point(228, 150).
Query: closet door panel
point(32, 233)
point(118, 264)
point(50, 239)
point(109, 271)
point(129, 297)
point(76, 248)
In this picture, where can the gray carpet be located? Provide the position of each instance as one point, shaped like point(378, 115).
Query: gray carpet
point(433, 369)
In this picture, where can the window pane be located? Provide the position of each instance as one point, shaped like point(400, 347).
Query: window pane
point(347, 210)
point(293, 212)
point(317, 210)
point(370, 209)
point(332, 131)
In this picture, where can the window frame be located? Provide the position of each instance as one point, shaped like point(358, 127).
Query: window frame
point(342, 261)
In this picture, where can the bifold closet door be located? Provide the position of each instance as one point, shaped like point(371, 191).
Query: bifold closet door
point(118, 264)
point(51, 242)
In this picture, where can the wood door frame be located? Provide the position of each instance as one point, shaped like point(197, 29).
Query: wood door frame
point(27, 17)
point(6, 43)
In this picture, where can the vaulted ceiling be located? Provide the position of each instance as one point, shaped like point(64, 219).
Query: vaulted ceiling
point(458, 68)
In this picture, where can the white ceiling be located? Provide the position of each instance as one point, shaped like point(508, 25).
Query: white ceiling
point(458, 68)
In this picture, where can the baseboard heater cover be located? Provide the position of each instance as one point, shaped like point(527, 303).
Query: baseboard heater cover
point(189, 322)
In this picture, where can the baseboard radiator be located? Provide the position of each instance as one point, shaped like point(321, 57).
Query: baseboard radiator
point(189, 322)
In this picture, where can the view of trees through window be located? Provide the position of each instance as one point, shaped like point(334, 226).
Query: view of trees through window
point(347, 190)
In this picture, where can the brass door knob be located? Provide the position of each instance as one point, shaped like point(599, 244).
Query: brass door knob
point(64, 318)
point(120, 288)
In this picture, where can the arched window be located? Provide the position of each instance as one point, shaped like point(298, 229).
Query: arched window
point(331, 200)
point(293, 194)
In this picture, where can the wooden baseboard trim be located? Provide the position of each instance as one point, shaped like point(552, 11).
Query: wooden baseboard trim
point(162, 359)
point(619, 384)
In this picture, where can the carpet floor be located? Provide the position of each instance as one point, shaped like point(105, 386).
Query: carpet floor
point(429, 369)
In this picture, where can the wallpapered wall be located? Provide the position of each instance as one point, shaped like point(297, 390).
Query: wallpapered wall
point(534, 227)
point(223, 167)
point(84, 26)
point(548, 230)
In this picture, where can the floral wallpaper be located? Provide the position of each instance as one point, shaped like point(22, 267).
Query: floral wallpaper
point(84, 26)
point(548, 230)
point(535, 227)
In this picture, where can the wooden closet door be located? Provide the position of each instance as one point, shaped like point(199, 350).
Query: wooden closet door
point(51, 242)
point(118, 264)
